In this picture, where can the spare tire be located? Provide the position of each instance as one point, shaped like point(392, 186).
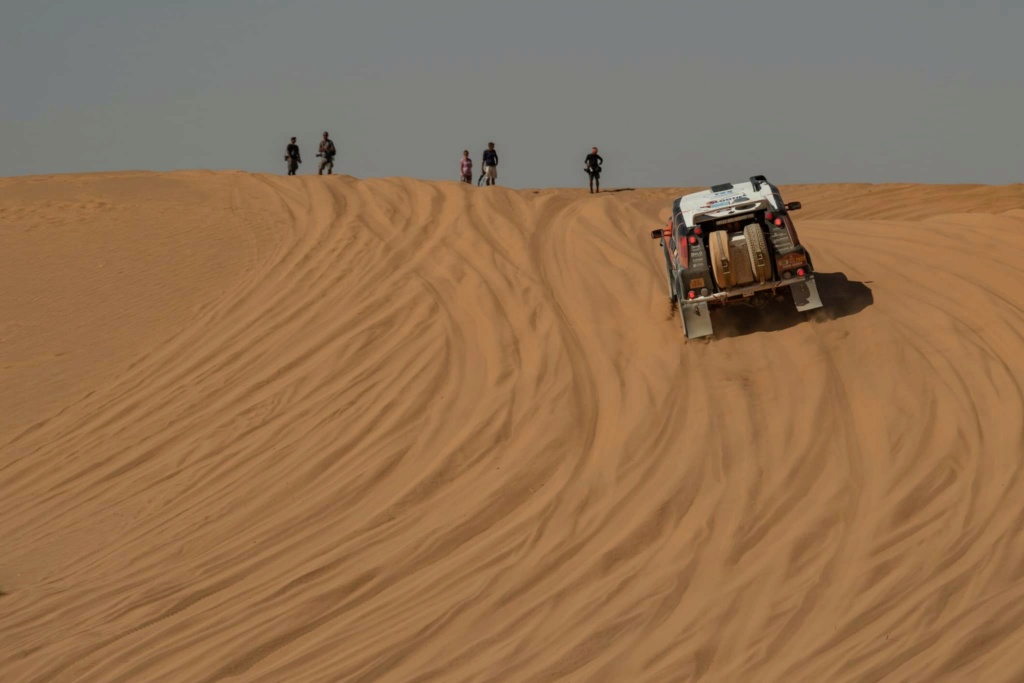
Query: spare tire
point(725, 276)
point(760, 261)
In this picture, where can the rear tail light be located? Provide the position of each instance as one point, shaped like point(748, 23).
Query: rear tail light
point(801, 272)
point(769, 215)
point(697, 231)
point(691, 295)
point(778, 221)
point(693, 240)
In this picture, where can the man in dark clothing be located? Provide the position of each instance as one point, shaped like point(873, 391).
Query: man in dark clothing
point(490, 164)
point(326, 154)
point(293, 157)
point(592, 165)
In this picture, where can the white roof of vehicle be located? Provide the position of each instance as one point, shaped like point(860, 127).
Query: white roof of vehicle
point(711, 205)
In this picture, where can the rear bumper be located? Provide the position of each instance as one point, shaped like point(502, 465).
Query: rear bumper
point(738, 294)
point(697, 317)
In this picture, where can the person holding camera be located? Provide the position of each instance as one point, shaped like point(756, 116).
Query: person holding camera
point(592, 165)
point(490, 165)
point(326, 154)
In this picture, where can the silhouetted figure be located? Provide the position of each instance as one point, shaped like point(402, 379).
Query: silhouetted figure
point(592, 165)
point(293, 157)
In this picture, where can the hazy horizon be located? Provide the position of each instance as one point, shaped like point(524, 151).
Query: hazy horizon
point(925, 92)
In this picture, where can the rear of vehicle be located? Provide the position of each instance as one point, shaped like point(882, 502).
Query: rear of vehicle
point(734, 244)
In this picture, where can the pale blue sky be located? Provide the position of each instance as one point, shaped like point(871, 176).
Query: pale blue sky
point(673, 94)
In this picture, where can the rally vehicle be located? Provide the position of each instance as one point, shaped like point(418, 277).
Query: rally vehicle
point(734, 244)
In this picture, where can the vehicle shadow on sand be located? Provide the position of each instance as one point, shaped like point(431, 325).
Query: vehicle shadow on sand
point(840, 297)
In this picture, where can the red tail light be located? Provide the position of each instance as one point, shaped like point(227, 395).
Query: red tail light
point(698, 231)
point(693, 240)
point(778, 221)
point(692, 295)
point(769, 215)
point(801, 272)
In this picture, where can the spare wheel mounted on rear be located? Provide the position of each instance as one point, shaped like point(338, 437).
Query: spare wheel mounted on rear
point(725, 276)
point(760, 262)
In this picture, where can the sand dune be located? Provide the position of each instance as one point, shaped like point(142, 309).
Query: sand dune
point(321, 429)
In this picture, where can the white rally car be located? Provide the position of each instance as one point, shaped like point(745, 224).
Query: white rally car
point(733, 244)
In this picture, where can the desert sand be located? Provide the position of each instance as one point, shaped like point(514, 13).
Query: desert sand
point(262, 428)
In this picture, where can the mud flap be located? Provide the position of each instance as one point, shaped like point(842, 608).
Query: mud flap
point(805, 295)
point(696, 320)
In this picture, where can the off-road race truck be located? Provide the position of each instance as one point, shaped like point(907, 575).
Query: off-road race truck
point(734, 244)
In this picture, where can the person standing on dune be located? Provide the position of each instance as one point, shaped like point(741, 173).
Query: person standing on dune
point(466, 167)
point(293, 157)
point(490, 164)
point(592, 165)
point(326, 154)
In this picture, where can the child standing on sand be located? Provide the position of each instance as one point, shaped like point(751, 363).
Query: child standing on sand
point(466, 166)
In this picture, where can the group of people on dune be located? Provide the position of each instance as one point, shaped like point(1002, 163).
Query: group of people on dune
point(326, 153)
point(489, 163)
point(592, 165)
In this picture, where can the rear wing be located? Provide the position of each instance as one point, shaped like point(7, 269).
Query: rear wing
point(718, 213)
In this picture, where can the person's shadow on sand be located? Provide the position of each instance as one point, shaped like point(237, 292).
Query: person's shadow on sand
point(840, 297)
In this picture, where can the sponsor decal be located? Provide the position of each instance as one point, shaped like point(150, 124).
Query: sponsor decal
point(719, 203)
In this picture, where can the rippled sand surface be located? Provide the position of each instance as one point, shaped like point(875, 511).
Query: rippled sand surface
point(263, 428)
